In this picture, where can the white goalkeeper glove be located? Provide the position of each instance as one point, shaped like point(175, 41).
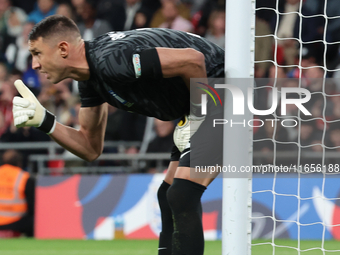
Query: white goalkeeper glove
point(185, 129)
point(27, 111)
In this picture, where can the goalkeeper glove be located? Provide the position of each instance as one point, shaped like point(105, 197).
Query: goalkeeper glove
point(185, 129)
point(27, 111)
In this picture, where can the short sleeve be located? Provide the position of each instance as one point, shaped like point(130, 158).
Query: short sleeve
point(88, 96)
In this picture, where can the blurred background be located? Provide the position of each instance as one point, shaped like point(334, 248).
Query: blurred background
point(287, 47)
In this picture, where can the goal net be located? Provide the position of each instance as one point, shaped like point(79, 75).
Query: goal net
point(296, 163)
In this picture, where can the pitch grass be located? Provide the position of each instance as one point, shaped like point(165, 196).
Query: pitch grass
point(24, 246)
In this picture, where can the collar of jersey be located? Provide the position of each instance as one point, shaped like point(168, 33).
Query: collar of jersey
point(89, 61)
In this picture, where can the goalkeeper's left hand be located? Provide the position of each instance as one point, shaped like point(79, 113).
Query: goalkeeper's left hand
point(185, 129)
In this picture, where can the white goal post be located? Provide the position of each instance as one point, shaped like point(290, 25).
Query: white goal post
point(237, 148)
point(302, 205)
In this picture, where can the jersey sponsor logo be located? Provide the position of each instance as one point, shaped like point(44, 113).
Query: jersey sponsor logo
point(136, 65)
point(121, 100)
point(116, 35)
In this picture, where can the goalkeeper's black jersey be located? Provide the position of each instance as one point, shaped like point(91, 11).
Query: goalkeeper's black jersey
point(113, 76)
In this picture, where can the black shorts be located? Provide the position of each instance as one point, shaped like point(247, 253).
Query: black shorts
point(205, 147)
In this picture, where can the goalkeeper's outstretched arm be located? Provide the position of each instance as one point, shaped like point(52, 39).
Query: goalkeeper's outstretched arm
point(87, 142)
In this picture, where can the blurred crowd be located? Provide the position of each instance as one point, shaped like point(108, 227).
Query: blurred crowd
point(287, 47)
point(93, 17)
point(298, 46)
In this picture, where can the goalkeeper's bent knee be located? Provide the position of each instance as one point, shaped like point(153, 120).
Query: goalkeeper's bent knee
point(184, 196)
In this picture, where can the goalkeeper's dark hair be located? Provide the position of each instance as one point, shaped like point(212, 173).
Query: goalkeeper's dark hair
point(54, 25)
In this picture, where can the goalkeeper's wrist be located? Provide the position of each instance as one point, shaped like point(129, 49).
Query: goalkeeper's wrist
point(48, 124)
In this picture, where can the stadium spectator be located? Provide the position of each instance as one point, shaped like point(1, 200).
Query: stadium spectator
point(291, 109)
point(272, 131)
point(74, 111)
point(131, 9)
point(17, 190)
point(16, 52)
point(308, 132)
point(90, 25)
point(265, 10)
point(273, 137)
point(310, 34)
point(310, 137)
point(113, 12)
point(307, 61)
point(11, 21)
point(332, 141)
point(6, 95)
point(314, 79)
point(291, 28)
point(27, 5)
point(173, 19)
point(31, 77)
point(57, 98)
point(263, 93)
point(123, 15)
point(201, 17)
point(334, 134)
point(216, 28)
point(25, 134)
point(113, 128)
point(195, 6)
point(43, 9)
point(13, 76)
point(330, 9)
point(66, 10)
point(163, 142)
point(263, 47)
point(14, 19)
point(285, 30)
point(4, 7)
point(142, 18)
point(315, 105)
point(78, 6)
point(132, 131)
point(3, 72)
point(335, 106)
point(158, 17)
point(160, 88)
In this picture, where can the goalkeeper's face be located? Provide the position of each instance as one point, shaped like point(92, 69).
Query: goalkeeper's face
point(47, 59)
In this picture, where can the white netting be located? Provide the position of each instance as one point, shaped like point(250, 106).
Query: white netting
point(298, 39)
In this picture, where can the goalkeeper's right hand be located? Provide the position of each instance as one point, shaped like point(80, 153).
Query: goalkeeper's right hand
point(27, 111)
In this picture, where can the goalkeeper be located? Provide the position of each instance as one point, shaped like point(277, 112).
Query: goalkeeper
point(145, 71)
